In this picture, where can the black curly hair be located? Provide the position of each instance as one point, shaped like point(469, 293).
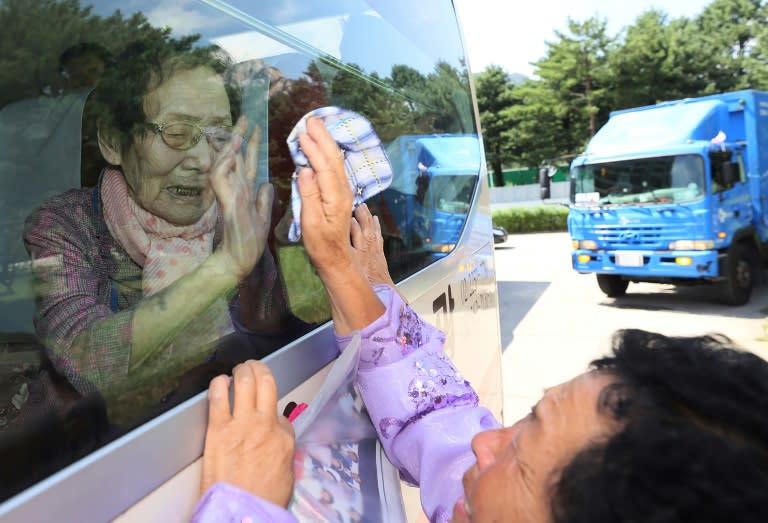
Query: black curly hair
point(694, 439)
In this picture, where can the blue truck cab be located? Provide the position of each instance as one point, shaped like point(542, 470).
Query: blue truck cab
point(675, 192)
point(424, 210)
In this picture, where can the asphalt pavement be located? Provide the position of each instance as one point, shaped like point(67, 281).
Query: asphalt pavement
point(554, 321)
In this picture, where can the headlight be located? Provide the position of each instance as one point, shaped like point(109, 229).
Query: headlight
point(692, 245)
point(589, 245)
point(443, 247)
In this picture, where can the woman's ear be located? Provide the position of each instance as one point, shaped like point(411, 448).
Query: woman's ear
point(109, 145)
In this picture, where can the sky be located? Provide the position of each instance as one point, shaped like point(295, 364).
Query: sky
point(511, 34)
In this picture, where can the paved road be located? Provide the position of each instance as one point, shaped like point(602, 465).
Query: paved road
point(554, 320)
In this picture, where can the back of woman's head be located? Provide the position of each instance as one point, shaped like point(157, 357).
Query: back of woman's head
point(694, 439)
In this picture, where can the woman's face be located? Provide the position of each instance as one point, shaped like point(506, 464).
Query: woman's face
point(170, 183)
point(517, 466)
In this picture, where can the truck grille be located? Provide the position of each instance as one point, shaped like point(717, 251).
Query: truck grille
point(641, 237)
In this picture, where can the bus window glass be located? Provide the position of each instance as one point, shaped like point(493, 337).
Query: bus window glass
point(114, 116)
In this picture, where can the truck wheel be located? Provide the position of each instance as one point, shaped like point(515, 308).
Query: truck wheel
point(737, 288)
point(612, 286)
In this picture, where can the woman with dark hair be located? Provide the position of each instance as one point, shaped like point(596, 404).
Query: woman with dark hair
point(144, 274)
point(663, 430)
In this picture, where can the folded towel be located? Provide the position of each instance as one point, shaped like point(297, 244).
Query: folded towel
point(365, 162)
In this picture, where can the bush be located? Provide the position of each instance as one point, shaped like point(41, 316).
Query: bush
point(539, 218)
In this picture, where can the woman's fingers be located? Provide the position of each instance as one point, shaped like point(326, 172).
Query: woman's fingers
point(365, 219)
point(252, 154)
point(311, 200)
point(264, 197)
point(218, 402)
point(239, 129)
point(363, 213)
point(266, 388)
point(326, 160)
point(329, 148)
point(227, 162)
point(377, 230)
point(255, 389)
point(219, 178)
point(358, 241)
point(253, 449)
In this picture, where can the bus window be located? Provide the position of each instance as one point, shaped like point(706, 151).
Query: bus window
point(113, 115)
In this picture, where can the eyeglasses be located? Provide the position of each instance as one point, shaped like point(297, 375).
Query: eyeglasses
point(185, 135)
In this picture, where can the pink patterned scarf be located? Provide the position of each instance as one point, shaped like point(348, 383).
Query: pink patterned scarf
point(165, 251)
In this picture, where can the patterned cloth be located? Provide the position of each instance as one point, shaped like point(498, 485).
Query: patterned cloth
point(365, 162)
point(89, 286)
point(426, 413)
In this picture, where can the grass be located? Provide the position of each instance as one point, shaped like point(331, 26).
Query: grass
point(306, 294)
point(539, 218)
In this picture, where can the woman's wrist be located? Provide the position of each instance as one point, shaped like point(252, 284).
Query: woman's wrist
point(223, 269)
point(354, 304)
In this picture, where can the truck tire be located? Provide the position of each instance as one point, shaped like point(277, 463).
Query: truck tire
point(739, 276)
point(613, 286)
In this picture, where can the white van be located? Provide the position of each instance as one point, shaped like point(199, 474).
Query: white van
point(130, 450)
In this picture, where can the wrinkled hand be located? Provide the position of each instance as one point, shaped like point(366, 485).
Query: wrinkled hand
point(246, 215)
point(368, 247)
point(249, 446)
point(326, 202)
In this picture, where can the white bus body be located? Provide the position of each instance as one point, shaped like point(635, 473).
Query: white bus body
point(402, 64)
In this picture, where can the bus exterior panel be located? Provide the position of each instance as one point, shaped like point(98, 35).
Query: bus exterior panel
point(137, 457)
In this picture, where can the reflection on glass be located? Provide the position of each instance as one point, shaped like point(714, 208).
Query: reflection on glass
point(424, 210)
point(649, 180)
point(119, 296)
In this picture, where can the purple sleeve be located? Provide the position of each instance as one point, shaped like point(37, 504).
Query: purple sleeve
point(225, 503)
point(425, 412)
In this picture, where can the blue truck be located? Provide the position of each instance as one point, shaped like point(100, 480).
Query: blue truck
point(424, 210)
point(675, 192)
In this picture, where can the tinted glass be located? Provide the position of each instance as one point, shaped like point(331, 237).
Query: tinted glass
point(114, 301)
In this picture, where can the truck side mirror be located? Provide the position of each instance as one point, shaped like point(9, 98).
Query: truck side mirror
point(544, 183)
point(729, 172)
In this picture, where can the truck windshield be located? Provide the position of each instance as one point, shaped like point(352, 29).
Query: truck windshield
point(452, 194)
point(663, 179)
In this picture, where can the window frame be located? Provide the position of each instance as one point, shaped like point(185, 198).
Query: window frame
point(146, 457)
point(156, 443)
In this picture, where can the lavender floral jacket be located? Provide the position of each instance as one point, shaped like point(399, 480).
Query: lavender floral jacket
point(425, 413)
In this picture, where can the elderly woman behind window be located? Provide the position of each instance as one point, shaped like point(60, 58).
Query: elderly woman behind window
point(142, 275)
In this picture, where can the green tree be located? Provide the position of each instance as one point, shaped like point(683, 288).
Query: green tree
point(448, 98)
point(727, 32)
point(575, 69)
point(643, 64)
point(536, 130)
point(759, 55)
point(553, 116)
point(30, 47)
point(494, 97)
